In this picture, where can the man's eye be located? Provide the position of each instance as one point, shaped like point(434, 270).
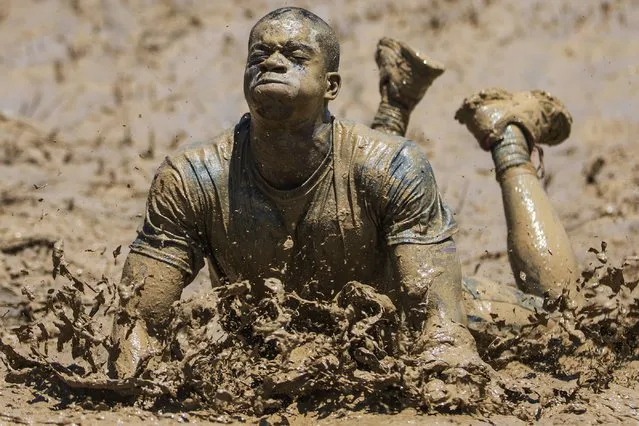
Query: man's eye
point(257, 57)
point(299, 56)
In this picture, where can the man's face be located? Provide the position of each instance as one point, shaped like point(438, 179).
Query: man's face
point(285, 74)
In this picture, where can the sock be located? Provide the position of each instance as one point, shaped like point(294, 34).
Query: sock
point(392, 119)
point(511, 151)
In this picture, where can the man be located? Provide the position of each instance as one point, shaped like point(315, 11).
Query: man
point(295, 194)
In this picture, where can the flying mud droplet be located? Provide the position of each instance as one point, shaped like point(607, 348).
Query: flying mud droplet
point(28, 292)
point(288, 244)
point(601, 256)
point(117, 251)
point(522, 276)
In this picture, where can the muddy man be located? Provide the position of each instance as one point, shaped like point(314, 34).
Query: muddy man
point(294, 193)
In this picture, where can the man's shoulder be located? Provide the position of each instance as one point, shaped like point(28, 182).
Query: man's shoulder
point(371, 148)
point(367, 136)
point(211, 156)
point(217, 148)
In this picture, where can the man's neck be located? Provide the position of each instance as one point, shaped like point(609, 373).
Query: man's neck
point(285, 154)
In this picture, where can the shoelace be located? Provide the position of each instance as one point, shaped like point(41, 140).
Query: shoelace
point(539, 169)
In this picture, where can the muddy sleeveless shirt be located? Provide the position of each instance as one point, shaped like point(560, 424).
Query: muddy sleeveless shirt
point(372, 191)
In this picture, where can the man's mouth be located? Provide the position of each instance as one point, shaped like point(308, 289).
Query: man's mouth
point(269, 81)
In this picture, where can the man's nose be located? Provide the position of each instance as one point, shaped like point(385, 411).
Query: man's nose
point(275, 63)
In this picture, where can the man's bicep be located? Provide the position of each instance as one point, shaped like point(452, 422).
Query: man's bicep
point(172, 231)
point(414, 211)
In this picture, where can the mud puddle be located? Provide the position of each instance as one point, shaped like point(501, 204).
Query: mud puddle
point(232, 356)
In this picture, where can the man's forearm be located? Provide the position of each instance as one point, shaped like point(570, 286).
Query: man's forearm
point(148, 289)
point(430, 276)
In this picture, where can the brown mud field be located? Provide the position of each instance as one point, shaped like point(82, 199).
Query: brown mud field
point(95, 93)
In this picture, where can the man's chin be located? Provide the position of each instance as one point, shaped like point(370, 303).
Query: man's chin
point(274, 112)
point(273, 102)
point(273, 90)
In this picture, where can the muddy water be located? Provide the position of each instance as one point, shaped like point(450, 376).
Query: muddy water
point(99, 92)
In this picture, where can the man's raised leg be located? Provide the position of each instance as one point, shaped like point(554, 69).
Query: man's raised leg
point(510, 126)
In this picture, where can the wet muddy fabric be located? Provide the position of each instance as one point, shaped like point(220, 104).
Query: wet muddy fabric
point(372, 191)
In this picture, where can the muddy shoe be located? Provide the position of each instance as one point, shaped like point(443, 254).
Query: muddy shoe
point(495, 305)
point(405, 75)
point(542, 117)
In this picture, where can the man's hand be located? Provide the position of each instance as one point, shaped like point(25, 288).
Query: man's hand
point(445, 344)
point(134, 345)
point(456, 376)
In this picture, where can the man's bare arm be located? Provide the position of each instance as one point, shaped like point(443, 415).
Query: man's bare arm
point(148, 289)
point(430, 279)
point(430, 276)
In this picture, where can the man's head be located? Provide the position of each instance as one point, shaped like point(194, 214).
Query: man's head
point(326, 37)
point(291, 70)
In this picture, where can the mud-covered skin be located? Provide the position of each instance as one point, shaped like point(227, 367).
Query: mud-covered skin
point(443, 343)
point(539, 249)
point(288, 84)
point(147, 291)
point(510, 126)
point(427, 296)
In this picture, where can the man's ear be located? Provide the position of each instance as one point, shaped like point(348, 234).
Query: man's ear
point(334, 81)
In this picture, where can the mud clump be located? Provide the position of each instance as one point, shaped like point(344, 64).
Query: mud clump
point(232, 353)
point(585, 339)
point(283, 349)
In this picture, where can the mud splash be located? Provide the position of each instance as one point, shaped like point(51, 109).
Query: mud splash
point(229, 353)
